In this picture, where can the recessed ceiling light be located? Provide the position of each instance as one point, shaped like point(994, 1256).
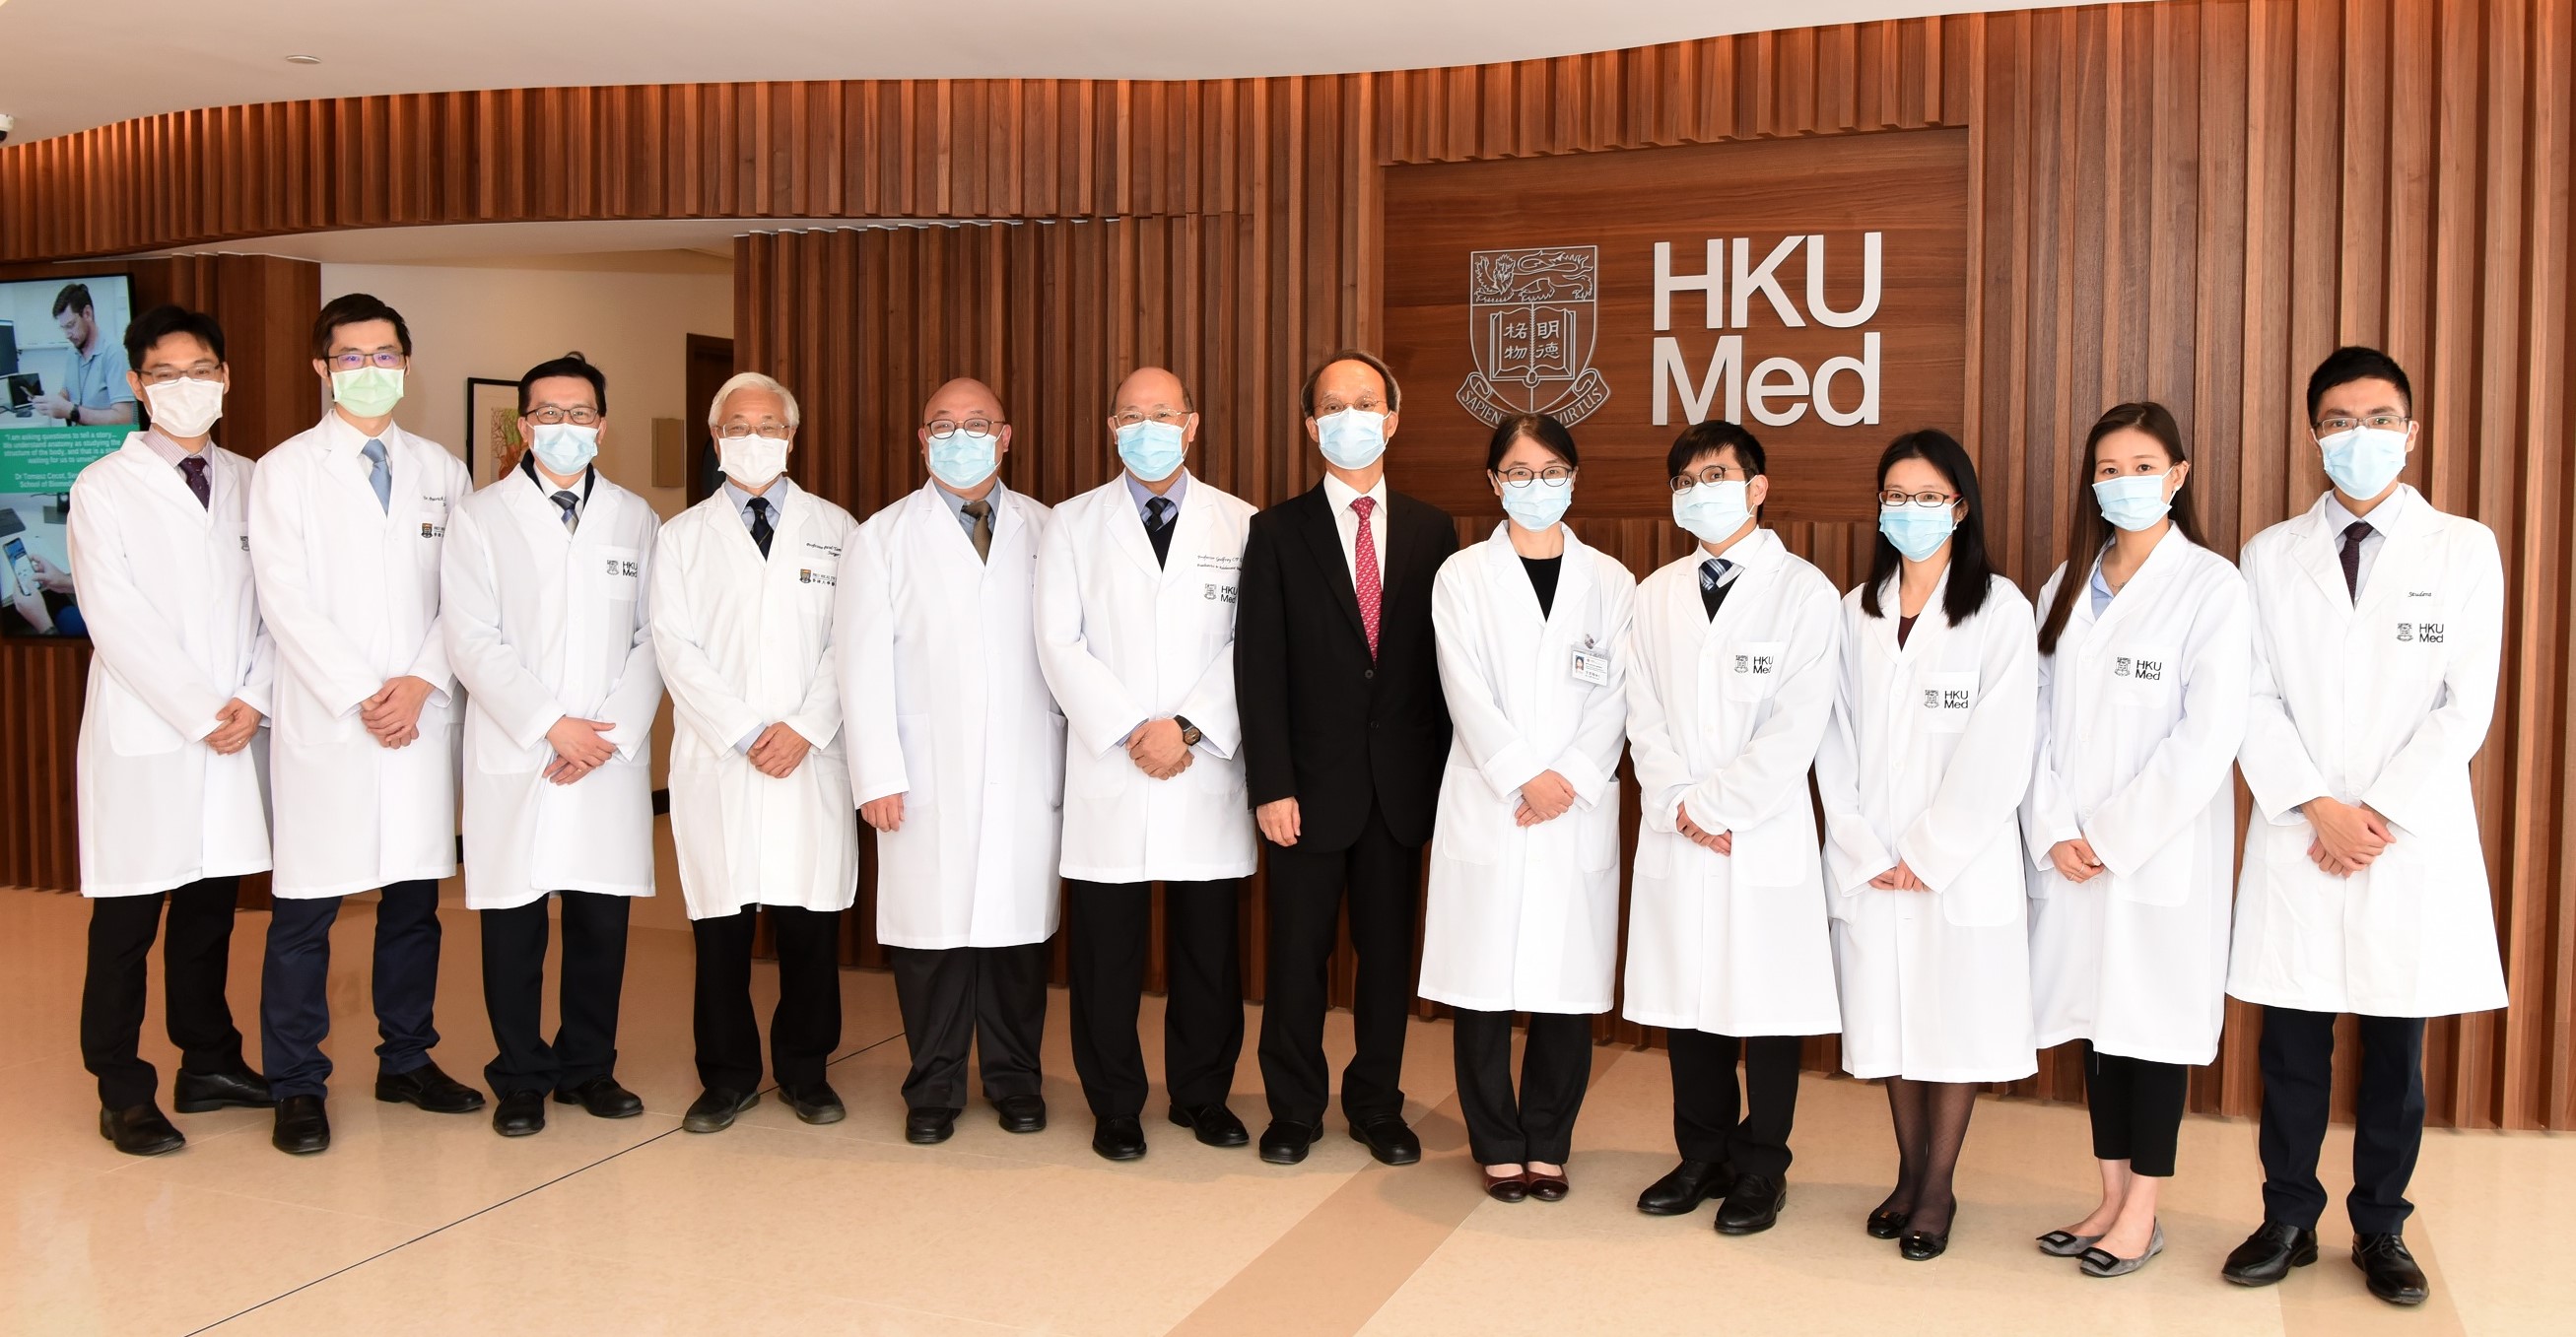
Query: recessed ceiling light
point(291, 60)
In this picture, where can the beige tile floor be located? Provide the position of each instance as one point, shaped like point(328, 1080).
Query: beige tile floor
point(419, 1223)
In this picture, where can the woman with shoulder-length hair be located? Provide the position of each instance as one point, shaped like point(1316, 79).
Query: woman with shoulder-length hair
point(1524, 893)
point(1922, 770)
point(2145, 675)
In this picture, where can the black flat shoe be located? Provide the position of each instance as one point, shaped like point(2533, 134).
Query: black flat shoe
point(519, 1114)
point(302, 1129)
point(1753, 1207)
point(1690, 1183)
point(815, 1104)
point(929, 1127)
point(1886, 1225)
point(429, 1089)
point(1388, 1139)
point(199, 1092)
point(714, 1111)
point(1549, 1187)
point(1119, 1140)
point(1214, 1125)
point(2269, 1253)
point(603, 1098)
point(1922, 1246)
point(1286, 1141)
point(2390, 1269)
point(141, 1130)
point(1021, 1114)
point(1513, 1187)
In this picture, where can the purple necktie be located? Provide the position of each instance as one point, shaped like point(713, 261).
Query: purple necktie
point(2353, 534)
point(195, 468)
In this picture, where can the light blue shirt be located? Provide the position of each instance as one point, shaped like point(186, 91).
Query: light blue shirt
point(957, 505)
point(2101, 590)
point(1144, 496)
point(742, 500)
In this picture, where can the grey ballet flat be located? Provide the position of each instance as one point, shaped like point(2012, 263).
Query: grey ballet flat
point(2101, 1263)
point(2065, 1244)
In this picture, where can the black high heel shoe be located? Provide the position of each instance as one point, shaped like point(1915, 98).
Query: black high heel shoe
point(1887, 1225)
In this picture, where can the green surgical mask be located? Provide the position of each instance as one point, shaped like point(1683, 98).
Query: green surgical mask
point(368, 392)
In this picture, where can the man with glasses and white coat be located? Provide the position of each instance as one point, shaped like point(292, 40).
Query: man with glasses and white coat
point(741, 595)
point(1135, 609)
point(957, 761)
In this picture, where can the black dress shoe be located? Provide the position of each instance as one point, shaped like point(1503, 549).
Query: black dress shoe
point(2390, 1269)
point(714, 1111)
point(1119, 1139)
point(198, 1092)
point(604, 1098)
point(1215, 1125)
point(924, 1128)
point(1388, 1139)
point(817, 1104)
point(428, 1088)
point(1681, 1192)
point(1021, 1114)
point(140, 1130)
point(2269, 1253)
point(1922, 1246)
point(1753, 1206)
point(1886, 1225)
point(302, 1128)
point(1286, 1141)
point(519, 1114)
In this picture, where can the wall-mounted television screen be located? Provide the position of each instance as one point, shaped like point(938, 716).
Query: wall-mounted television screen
point(62, 368)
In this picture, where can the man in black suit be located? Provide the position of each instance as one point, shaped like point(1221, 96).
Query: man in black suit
point(1344, 735)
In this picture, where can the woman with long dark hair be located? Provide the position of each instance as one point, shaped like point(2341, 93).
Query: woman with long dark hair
point(1921, 772)
point(2145, 674)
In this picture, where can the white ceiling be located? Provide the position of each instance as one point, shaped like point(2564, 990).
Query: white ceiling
point(68, 65)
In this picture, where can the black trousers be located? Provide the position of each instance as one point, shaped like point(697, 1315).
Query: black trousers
point(2297, 1056)
point(194, 966)
point(2137, 1109)
point(1537, 1122)
point(1381, 878)
point(993, 998)
point(805, 1027)
point(1107, 932)
point(514, 992)
point(1715, 1122)
point(294, 983)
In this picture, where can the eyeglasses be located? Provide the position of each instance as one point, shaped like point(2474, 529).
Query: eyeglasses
point(941, 429)
point(1521, 475)
point(2377, 422)
point(1369, 403)
point(387, 358)
point(203, 371)
point(767, 428)
point(1162, 413)
point(550, 415)
point(1891, 499)
point(1715, 473)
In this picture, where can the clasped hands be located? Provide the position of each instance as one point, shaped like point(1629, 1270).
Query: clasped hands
point(2350, 836)
point(1156, 748)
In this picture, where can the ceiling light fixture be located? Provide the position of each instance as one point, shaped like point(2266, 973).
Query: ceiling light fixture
point(291, 60)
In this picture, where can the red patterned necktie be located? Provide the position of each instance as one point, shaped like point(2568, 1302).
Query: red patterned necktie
point(1364, 569)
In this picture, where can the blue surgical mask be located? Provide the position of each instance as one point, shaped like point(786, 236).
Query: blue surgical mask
point(2365, 460)
point(1352, 438)
point(962, 459)
point(565, 448)
point(1917, 531)
point(2134, 502)
point(1151, 450)
point(1712, 511)
point(1540, 505)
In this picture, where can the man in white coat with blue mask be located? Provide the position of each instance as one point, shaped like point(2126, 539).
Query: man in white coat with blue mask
point(2378, 625)
point(957, 760)
point(1730, 687)
point(741, 595)
point(1135, 613)
point(545, 574)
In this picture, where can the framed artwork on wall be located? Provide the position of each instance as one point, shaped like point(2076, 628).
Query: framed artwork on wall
point(492, 441)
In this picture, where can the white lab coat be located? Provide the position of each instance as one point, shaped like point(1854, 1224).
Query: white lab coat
point(540, 624)
point(1526, 919)
point(1725, 716)
point(949, 708)
point(1926, 761)
point(174, 634)
point(2141, 711)
point(1123, 640)
point(745, 643)
point(2383, 704)
point(349, 590)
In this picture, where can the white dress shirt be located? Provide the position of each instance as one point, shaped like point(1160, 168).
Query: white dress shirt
point(1347, 522)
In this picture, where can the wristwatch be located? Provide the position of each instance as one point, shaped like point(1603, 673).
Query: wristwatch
point(1190, 734)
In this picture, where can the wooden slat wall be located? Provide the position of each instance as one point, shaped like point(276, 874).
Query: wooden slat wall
point(2190, 200)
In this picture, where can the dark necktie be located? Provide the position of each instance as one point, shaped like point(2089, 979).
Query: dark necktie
point(760, 529)
point(1712, 584)
point(194, 467)
point(2353, 534)
point(568, 501)
point(1158, 527)
point(980, 511)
